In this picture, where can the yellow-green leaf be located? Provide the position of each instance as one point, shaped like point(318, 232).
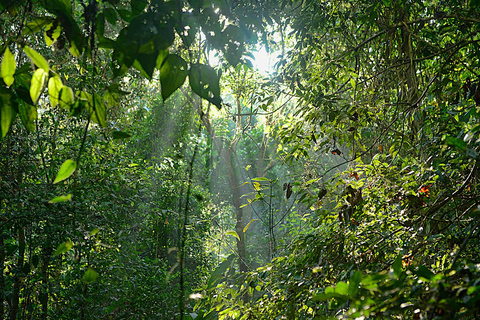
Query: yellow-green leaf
point(94, 232)
point(37, 58)
point(52, 36)
point(58, 199)
point(233, 233)
point(90, 276)
point(37, 85)
point(54, 86)
point(8, 67)
point(66, 98)
point(66, 170)
point(248, 225)
point(64, 247)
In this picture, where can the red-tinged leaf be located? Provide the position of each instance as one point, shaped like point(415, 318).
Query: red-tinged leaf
point(337, 152)
point(354, 174)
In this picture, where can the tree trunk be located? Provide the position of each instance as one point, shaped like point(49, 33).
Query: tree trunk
point(18, 275)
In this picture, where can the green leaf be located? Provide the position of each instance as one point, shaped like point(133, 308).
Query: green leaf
point(8, 67)
point(397, 266)
point(66, 170)
point(7, 110)
point(120, 135)
point(28, 115)
point(66, 98)
point(342, 288)
point(64, 247)
point(173, 73)
point(90, 276)
point(97, 110)
point(58, 199)
point(54, 86)
point(457, 143)
point(354, 283)
point(110, 15)
point(424, 273)
point(52, 32)
point(36, 25)
point(205, 82)
point(37, 85)
point(248, 225)
point(146, 64)
point(233, 233)
point(94, 232)
point(37, 58)
point(261, 179)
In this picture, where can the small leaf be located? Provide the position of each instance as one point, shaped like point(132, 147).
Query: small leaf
point(94, 232)
point(58, 199)
point(38, 82)
point(8, 67)
point(37, 58)
point(90, 276)
point(64, 247)
point(120, 135)
point(233, 233)
point(173, 73)
point(66, 170)
point(248, 225)
point(261, 179)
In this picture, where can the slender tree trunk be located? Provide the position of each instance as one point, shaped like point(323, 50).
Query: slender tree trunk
point(18, 279)
point(2, 279)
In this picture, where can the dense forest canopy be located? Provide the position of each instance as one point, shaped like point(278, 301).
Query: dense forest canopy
point(149, 171)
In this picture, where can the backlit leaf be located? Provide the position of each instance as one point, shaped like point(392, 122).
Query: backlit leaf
point(54, 86)
point(37, 85)
point(37, 58)
point(66, 170)
point(8, 67)
point(66, 98)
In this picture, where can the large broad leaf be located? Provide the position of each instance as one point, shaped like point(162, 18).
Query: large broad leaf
point(66, 170)
point(146, 63)
point(28, 115)
point(7, 110)
point(8, 67)
point(173, 73)
point(36, 25)
point(66, 98)
point(205, 82)
point(37, 58)
point(54, 86)
point(37, 85)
